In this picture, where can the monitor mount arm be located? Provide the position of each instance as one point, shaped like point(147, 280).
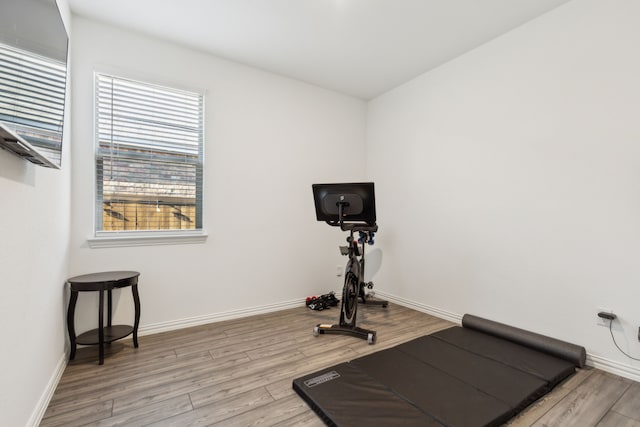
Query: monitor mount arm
point(349, 226)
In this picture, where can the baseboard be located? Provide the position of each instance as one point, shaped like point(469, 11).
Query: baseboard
point(216, 317)
point(442, 314)
point(47, 394)
point(610, 366)
point(613, 367)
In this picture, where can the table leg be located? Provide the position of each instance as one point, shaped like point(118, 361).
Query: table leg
point(101, 328)
point(109, 305)
point(136, 301)
point(71, 310)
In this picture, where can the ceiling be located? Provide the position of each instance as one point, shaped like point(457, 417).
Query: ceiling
point(361, 48)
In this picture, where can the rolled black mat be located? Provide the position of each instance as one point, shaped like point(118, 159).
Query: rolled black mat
point(562, 349)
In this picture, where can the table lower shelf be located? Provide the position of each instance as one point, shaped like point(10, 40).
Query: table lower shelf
point(111, 333)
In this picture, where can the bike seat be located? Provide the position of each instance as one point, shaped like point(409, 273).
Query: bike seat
point(359, 227)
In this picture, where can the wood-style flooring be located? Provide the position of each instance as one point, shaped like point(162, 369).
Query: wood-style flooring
point(239, 373)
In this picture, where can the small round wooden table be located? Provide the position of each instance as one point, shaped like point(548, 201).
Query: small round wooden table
point(100, 282)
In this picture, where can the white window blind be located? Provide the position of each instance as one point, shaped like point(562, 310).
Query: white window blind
point(32, 90)
point(149, 161)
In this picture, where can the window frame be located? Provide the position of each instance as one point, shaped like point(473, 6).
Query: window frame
point(120, 238)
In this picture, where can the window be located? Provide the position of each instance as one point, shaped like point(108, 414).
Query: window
point(32, 91)
point(149, 158)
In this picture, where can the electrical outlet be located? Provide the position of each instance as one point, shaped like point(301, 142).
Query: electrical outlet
point(601, 321)
point(339, 270)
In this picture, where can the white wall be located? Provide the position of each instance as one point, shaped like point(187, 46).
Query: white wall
point(34, 240)
point(508, 180)
point(268, 138)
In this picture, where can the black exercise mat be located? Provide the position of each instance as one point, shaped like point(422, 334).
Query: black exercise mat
point(344, 395)
point(541, 365)
point(442, 396)
point(439, 379)
point(505, 383)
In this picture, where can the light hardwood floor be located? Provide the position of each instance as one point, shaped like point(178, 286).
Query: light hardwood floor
point(239, 373)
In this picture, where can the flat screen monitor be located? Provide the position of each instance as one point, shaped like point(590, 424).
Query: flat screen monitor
point(358, 198)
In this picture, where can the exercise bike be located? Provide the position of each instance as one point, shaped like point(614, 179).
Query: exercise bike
point(352, 208)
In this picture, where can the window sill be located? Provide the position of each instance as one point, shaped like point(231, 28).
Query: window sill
point(124, 239)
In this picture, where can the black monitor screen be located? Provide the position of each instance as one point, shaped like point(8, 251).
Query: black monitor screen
point(360, 201)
